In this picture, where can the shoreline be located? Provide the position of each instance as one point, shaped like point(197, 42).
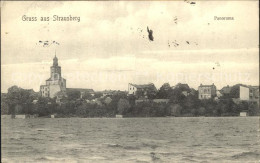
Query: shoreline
point(49, 117)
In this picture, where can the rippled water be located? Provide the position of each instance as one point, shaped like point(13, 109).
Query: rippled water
point(200, 139)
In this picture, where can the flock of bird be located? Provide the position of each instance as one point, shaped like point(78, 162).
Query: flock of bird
point(47, 43)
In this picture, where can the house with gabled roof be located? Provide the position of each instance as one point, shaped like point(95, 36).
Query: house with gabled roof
point(141, 90)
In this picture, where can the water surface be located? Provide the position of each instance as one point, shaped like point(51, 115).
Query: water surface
point(196, 139)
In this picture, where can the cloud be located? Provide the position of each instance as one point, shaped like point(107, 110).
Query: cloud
point(107, 41)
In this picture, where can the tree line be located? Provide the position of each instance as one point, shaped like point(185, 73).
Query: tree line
point(20, 101)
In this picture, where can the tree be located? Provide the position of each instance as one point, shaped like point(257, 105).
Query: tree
point(80, 108)
point(4, 108)
point(73, 94)
point(158, 109)
point(122, 106)
point(182, 87)
point(243, 106)
point(175, 110)
point(87, 96)
point(164, 91)
point(139, 93)
point(149, 91)
point(18, 109)
point(209, 105)
point(201, 111)
point(19, 98)
point(98, 95)
point(234, 92)
point(13, 98)
point(131, 99)
point(41, 107)
point(253, 109)
point(107, 100)
point(190, 103)
point(176, 96)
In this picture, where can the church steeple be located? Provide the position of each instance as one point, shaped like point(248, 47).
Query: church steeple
point(55, 69)
point(55, 61)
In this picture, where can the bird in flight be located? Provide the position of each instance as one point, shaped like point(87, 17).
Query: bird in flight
point(175, 20)
point(150, 34)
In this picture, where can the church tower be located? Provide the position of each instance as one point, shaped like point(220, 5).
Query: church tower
point(55, 83)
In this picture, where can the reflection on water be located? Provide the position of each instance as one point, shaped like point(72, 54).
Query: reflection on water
point(222, 139)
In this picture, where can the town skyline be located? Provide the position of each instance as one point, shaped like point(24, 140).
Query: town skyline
point(108, 51)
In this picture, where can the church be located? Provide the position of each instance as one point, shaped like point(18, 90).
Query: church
point(55, 83)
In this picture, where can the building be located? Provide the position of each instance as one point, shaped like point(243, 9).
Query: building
point(55, 83)
point(244, 93)
point(110, 92)
point(243, 114)
point(207, 91)
point(249, 93)
point(225, 91)
point(83, 91)
point(144, 90)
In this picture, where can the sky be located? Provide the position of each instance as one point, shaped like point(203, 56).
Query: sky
point(109, 47)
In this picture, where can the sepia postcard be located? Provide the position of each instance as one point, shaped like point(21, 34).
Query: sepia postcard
point(130, 81)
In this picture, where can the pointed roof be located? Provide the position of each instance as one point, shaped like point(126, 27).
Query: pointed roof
point(55, 61)
point(55, 56)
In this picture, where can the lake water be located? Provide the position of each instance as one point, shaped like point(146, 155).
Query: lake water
point(198, 139)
